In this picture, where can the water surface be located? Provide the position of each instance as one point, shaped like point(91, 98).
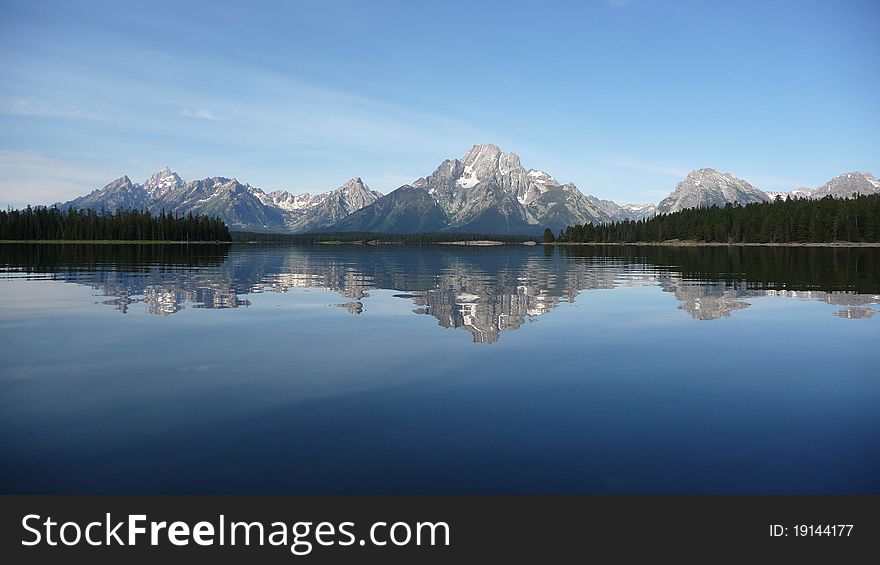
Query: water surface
point(513, 369)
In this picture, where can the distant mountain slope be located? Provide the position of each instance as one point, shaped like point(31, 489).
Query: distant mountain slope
point(620, 212)
point(241, 206)
point(405, 210)
point(707, 187)
point(121, 193)
point(704, 188)
point(845, 185)
point(800, 192)
point(487, 191)
point(328, 208)
point(841, 186)
point(639, 211)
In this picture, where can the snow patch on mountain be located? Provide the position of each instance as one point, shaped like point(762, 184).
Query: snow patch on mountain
point(163, 182)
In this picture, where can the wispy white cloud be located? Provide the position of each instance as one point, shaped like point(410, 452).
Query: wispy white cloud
point(157, 53)
point(200, 114)
point(26, 107)
point(282, 131)
point(28, 178)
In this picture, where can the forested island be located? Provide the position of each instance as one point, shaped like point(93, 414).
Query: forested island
point(52, 224)
point(793, 220)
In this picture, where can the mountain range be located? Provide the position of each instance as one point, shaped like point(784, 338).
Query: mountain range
point(242, 206)
point(486, 191)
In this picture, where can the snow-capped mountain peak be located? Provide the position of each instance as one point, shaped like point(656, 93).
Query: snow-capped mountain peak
point(163, 182)
point(486, 191)
point(800, 192)
point(639, 211)
point(291, 202)
point(541, 177)
point(484, 162)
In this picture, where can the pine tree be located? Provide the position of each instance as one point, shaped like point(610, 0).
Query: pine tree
point(780, 221)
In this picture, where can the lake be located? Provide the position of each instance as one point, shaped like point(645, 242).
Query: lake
point(439, 369)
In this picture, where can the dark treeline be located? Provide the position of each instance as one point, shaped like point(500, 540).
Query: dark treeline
point(90, 257)
point(128, 225)
point(792, 220)
point(847, 269)
point(368, 237)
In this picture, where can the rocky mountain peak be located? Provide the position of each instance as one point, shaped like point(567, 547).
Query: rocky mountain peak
point(118, 194)
point(123, 183)
point(486, 191)
point(163, 182)
point(707, 174)
point(541, 177)
point(291, 202)
point(351, 196)
point(485, 161)
point(481, 152)
point(847, 184)
point(354, 185)
point(703, 188)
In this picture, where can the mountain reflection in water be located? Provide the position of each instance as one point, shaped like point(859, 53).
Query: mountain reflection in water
point(483, 290)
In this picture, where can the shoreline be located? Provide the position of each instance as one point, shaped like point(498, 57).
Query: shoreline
point(109, 242)
point(683, 243)
point(468, 243)
point(476, 243)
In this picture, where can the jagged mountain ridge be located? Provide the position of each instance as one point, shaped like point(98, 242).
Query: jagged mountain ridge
point(619, 212)
point(241, 206)
point(486, 191)
point(708, 187)
point(847, 184)
point(800, 192)
point(405, 210)
point(841, 186)
point(704, 188)
point(118, 194)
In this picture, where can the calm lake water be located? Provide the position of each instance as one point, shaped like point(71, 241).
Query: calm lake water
point(514, 369)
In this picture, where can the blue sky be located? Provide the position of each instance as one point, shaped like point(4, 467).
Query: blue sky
point(621, 97)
